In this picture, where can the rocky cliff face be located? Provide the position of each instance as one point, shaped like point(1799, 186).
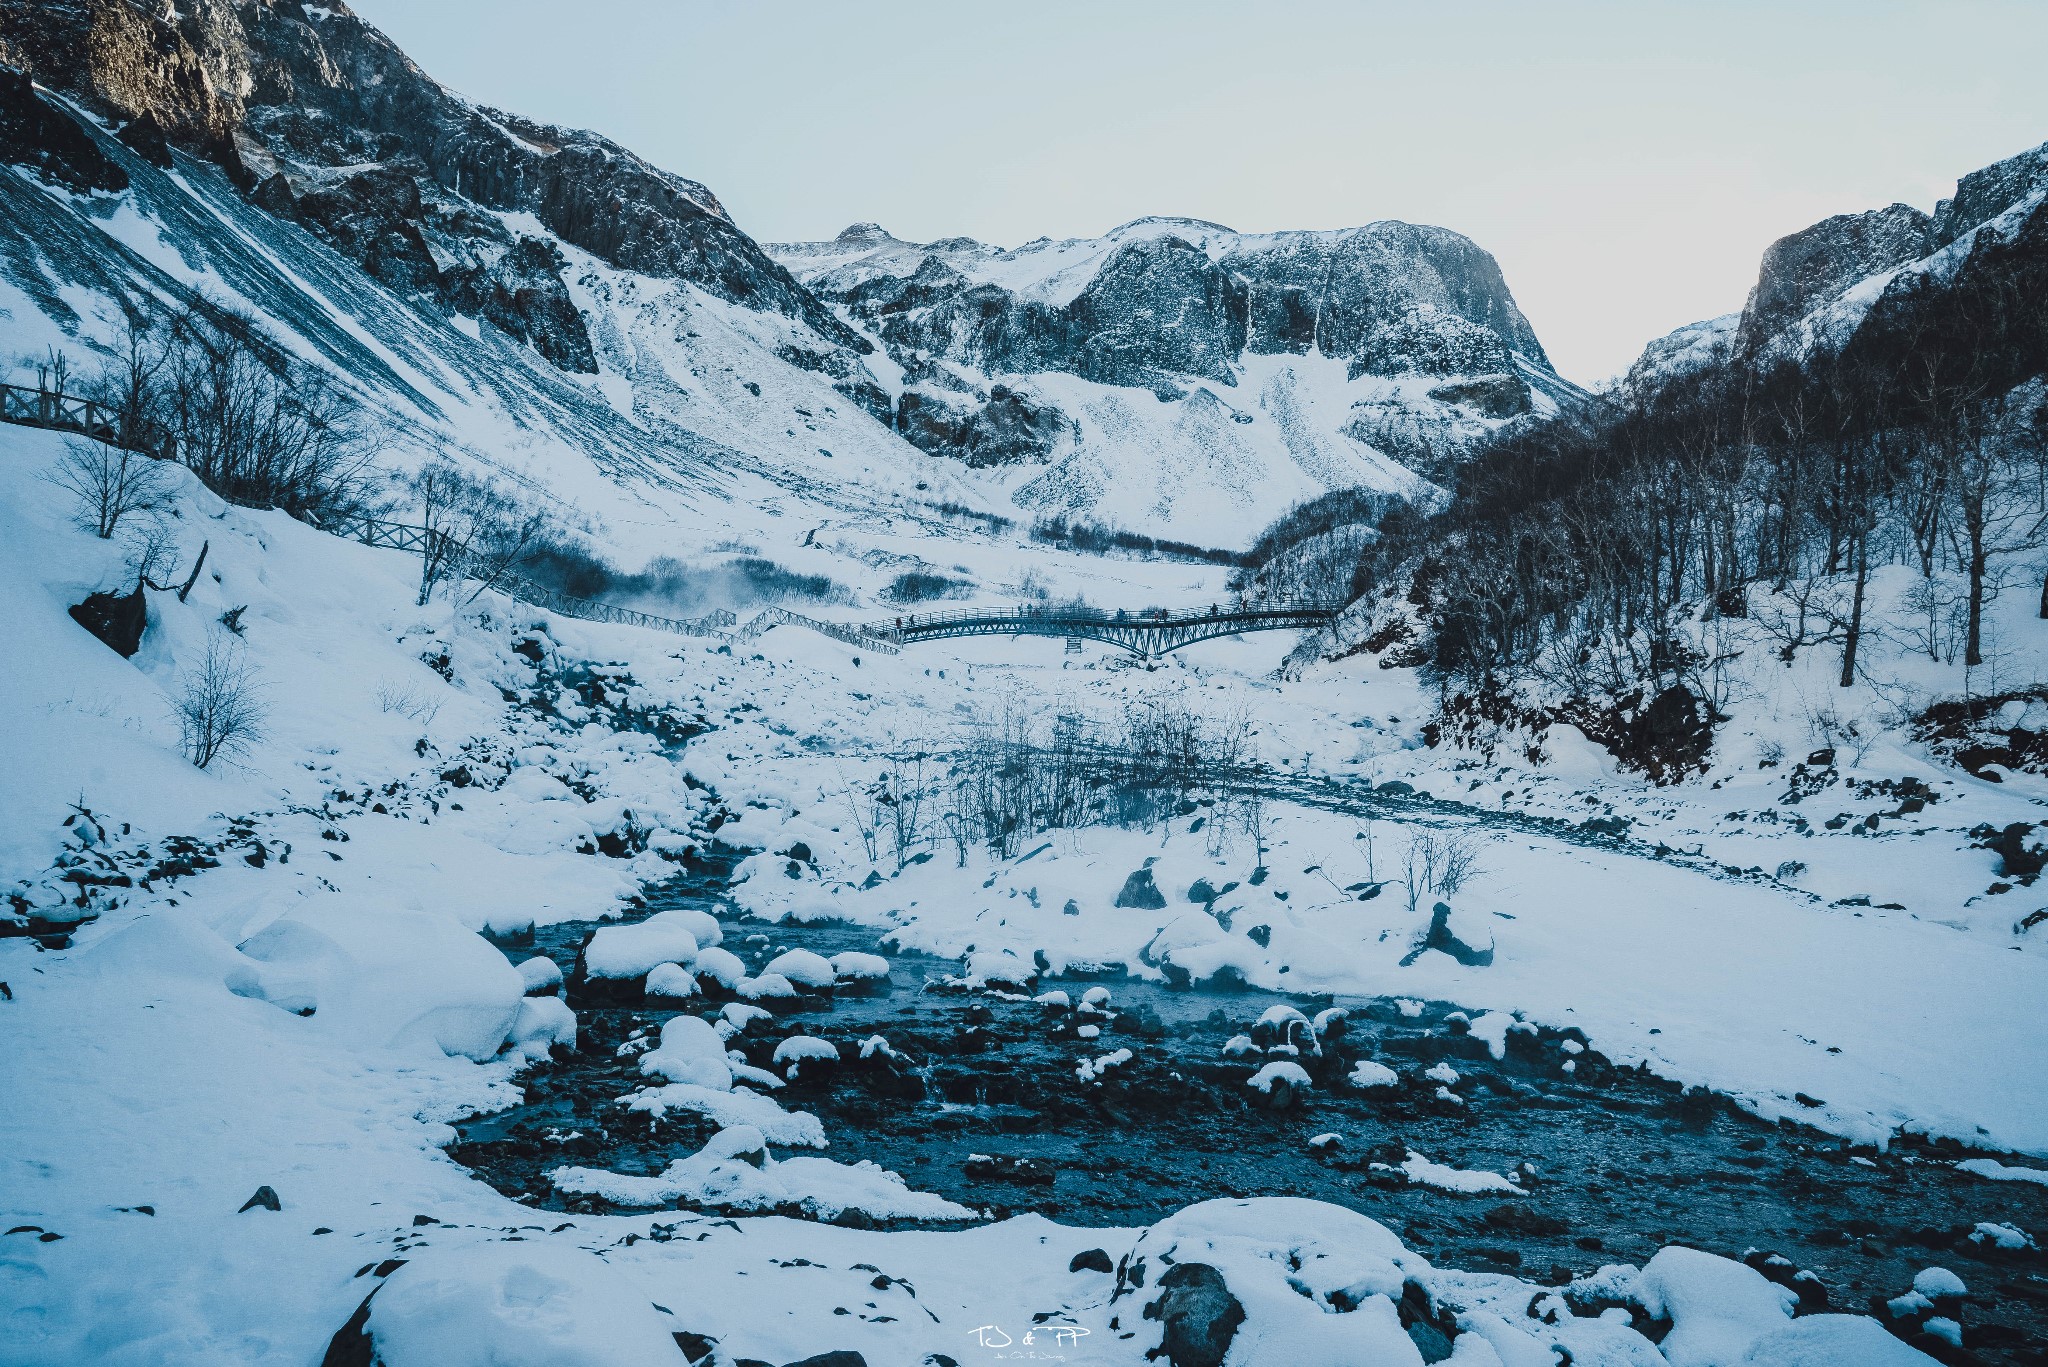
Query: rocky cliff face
point(1816, 287)
point(1816, 264)
point(347, 134)
point(1179, 307)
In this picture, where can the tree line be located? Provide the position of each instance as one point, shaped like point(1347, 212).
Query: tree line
point(1573, 546)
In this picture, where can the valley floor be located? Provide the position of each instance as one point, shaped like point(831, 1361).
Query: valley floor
point(293, 996)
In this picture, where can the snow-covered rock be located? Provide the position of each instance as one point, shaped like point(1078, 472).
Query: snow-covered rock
point(803, 968)
point(508, 1305)
point(632, 951)
point(690, 1052)
point(1718, 1308)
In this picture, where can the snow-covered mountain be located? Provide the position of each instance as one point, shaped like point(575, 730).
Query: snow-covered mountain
point(546, 301)
point(1815, 287)
point(538, 301)
point(1175, 371)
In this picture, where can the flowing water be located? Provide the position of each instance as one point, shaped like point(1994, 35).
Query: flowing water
point(983, 1105)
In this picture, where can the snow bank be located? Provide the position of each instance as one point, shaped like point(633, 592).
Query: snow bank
point(1830, 1341)
point(515, 1305)
point(735, 1172)
point(2002, 1172)
point(378, 977)
point(1718, 1308)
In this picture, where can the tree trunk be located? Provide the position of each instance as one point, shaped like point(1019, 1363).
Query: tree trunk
point(1973, 640)
point(1854, 636)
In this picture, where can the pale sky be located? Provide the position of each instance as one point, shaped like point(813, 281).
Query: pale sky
point(1627, 161)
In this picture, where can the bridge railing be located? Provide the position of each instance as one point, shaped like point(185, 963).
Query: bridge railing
point(28, 406)
point(838, 631)
point(1056, 616)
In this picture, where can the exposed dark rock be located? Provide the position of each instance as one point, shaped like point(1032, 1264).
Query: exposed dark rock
point(36, 134)
point(1091, 1260)
point(1462, 936)
point(265, 1197)
point(144, 136)
point(1141, 892)
point(1807, 268)
point(843, 1357)
point(1491, 396)
point(118, 619)
point(323, 88)
point(1159, 307)
point(352, 1344)
point(1984, 194)
point(523, 294)
point(1199, 1315)
point(1009, 429)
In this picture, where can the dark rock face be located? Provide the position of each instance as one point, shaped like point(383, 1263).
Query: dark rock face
point(1199, 1315)
point(1491, 396)
point(522, 293)
point(118, 619)
point(302, 91)
point(49, 142)
point(1813, 265)
point(1009, 429)
point(1174, 302)
point(1390, 298)
point(1985, 194)
point(1141, 892)
point(1158, 308)
point(144, 136)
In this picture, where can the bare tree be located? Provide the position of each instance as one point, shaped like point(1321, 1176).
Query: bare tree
point(473, 528)
point(110, 483)
point(901, 795)
point(219, 708)
point(258, 428)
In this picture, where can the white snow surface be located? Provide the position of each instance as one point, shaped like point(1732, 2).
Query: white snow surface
point(162, 1058)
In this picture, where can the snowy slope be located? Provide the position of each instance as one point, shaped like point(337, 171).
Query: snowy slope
point(667, 438)
point(1176, 374)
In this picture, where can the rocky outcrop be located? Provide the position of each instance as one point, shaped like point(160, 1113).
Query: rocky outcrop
point(1009, 429)
point(49, 142)
point(1158, 309)
point(1985, 194)
point(1807, 268)
point(266, 86)
point(1389, 298)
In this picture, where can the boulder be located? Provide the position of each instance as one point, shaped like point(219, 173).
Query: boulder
point(1140, 892)
point(1460, 934)
point(118, 619)
point(1198, 1314)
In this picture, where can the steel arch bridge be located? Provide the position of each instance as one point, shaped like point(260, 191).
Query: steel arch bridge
point(1148, 634)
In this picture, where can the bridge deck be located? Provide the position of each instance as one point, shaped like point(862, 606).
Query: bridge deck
point(1149, 633)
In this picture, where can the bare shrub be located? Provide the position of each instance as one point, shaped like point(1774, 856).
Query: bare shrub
point(1440, 864)
point(109, 483)
point(220, 710)
point(475, 528)
point(1017, 774)
point(258, 428)
point(409, 702)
